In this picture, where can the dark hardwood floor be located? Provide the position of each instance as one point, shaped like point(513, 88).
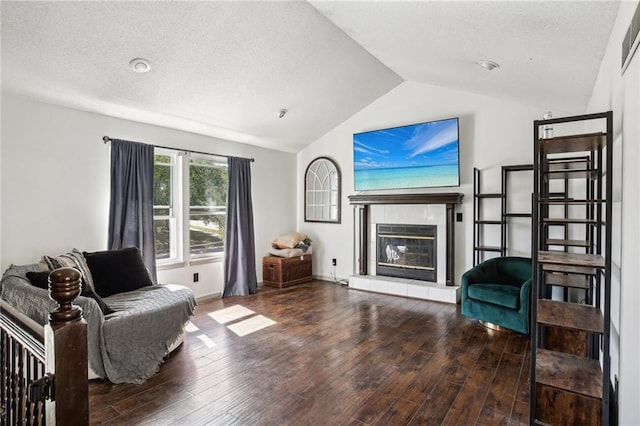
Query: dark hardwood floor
point(336, 356)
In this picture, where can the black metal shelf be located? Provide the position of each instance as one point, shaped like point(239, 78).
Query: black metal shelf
point(478, 246)
point(488, 195)
point(517, 215)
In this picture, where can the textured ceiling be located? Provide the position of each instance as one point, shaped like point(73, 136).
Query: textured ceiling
point(218, 68)
point(549, 51)
point(223, 69)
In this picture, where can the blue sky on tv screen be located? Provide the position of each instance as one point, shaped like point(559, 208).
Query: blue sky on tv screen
point(425, 144)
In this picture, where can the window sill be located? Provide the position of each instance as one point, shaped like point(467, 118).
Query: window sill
point(192, 262)
point(170, 265)
point(203, 260)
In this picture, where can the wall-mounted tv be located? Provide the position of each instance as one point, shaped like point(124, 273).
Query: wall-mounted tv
point(423, 155)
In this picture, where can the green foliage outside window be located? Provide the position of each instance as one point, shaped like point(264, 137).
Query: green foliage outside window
point(207, 196)
point(207, 211)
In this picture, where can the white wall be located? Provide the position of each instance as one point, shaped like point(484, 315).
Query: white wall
point(1, 261)
point(55, 184)
point(621, 94)
point(493, 133)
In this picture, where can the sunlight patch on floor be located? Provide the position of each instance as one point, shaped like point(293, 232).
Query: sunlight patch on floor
point(251, 325)
point(231, 313)
point(190, 327)
point(210, 343)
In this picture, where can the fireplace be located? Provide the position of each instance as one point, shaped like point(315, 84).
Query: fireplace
point(407, 251)
point(366, 244)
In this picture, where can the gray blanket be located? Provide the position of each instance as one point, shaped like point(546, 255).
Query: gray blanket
point(127, 346)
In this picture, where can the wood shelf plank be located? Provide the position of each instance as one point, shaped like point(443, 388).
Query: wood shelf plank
point(571, 259)
point(489, 195)
point(570, 372)
point(571, 174)
point(564, 280)
point(568, 243)
point(568, 163)
point(582, 159)
point(570, 315)
point(573, 143)
point(582, 270)
point(517, 214)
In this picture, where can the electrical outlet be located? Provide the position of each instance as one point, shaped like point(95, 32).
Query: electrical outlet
point(334, 262)
point(196, 277)
point(459, 217)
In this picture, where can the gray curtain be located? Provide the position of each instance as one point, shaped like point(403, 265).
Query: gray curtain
point(240, 249)
point(131, 207)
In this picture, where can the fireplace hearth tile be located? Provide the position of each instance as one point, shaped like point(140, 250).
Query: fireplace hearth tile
point(406, 287)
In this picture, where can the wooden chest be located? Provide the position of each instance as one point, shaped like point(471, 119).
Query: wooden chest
point(286, 271)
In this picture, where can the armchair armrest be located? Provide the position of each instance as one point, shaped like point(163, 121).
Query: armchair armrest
point(525, 296)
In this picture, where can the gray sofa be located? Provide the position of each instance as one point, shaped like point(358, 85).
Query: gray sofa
point(126, 346)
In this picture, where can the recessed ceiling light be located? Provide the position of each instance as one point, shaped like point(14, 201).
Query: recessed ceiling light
point(140, 65)
point(281, 113)
point(488, 65)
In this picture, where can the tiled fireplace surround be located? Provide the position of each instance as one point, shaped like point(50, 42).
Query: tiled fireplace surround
point(422, 209)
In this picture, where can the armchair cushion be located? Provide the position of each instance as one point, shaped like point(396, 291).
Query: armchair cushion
point(498, 294)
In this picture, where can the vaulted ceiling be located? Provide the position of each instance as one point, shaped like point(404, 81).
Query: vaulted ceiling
point(224, 69)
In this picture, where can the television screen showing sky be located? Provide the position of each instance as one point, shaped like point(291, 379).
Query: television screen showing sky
point(418, 145)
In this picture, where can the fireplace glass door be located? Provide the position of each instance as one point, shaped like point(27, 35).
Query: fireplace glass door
point(406, 251)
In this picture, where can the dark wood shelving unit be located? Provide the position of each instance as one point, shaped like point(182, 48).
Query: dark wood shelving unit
point(570, 168)
point(567, 280)
point(573, 373)
point(570, 342)
point(550, 267)
point(570, 315)
point(572, 143)
point(571, 243)
point(571, 259)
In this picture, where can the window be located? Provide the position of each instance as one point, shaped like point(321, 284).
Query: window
point(207, 207)
point(165, 206)
point(322, 191)
point(193, 187)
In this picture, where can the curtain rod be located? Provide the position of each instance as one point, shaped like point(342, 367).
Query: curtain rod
point(107, 139)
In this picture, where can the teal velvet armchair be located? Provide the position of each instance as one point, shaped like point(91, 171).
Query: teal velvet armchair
point(498, 291)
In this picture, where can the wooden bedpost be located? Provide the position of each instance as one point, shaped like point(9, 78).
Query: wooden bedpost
point(66, 351)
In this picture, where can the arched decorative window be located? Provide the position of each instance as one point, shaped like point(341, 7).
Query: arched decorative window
point(322, 191)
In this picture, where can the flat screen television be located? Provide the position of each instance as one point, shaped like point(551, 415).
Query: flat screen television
point(423, 155)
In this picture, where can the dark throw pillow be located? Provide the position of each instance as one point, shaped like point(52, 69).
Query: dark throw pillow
point(41, 280)
point(117, 271)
